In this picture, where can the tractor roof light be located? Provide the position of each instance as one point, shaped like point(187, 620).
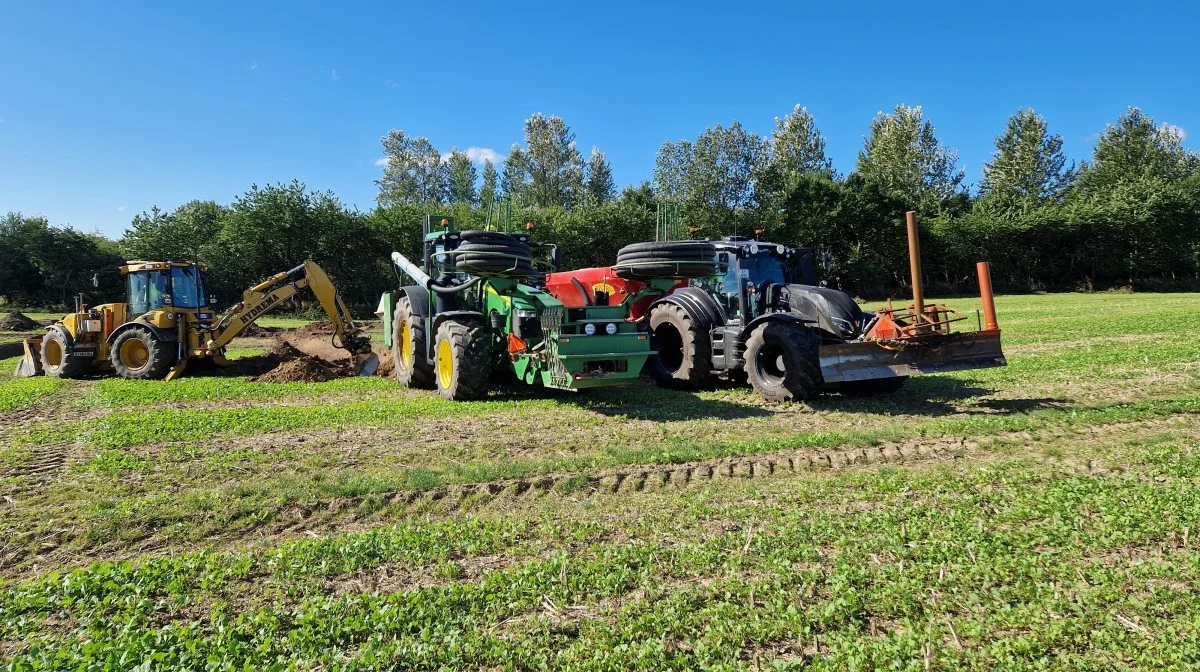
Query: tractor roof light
point(610, 328)
point(589, 329)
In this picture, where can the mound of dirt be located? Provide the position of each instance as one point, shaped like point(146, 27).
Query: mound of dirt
point(316, 329)
point(303, 370)
point(255, 331)
point(387, 366)
point(18, 322)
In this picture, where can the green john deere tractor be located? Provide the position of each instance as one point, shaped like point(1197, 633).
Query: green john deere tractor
point(478, 309)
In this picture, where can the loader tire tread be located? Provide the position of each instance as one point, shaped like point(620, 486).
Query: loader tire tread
point(160, 355)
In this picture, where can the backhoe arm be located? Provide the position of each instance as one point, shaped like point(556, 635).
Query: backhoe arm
point(273, 291)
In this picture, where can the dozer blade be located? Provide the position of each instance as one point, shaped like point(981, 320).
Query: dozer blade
point(366, 364)
point(31, 362)
point(867, 360)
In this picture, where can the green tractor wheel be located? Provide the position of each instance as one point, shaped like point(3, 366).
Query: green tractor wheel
point(783, 361)
point(408, 347)
point(462, 360)
point(138, 354)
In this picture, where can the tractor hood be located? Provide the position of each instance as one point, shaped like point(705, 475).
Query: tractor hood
point(834, 312)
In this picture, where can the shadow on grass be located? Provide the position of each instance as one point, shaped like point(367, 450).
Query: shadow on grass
point(639, 401)
point(937, 396)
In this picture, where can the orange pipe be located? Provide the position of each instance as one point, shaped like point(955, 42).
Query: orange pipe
point(984, 269)
point(914, 264)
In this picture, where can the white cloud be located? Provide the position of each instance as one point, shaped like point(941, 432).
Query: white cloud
point(1175, 131)
point(253, 65)
point(390, 84)
point(481, 154)
point(333, 74)
point(381, 161)
point(120, 208)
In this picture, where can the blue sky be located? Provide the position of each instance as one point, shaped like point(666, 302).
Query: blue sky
point(109, 108)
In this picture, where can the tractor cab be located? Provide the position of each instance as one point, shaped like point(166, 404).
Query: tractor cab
point(154, 285)
point(751, 273)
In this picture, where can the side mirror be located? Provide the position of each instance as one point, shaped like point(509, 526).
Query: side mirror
point(556, 258)
point(95, 280)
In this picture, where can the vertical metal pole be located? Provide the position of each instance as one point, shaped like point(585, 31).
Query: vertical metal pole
point(984, 270)
point(914, 264)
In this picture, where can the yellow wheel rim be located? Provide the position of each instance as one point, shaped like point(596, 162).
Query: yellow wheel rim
point(134, 353)
point(54, 353)
point(445, 365)
point(406, 355)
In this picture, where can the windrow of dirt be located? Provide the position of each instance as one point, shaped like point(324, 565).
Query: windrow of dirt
point(18, 322)
point(305, 355)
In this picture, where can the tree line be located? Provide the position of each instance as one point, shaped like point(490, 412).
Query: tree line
point(1129, 215)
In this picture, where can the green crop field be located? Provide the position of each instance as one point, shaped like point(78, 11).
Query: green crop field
point(1039, 516)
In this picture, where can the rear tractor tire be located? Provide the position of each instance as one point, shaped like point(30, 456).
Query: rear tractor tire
point(783, 361)
point(58, 356)
point(462, 360)
point(684, 358)
point(138, 354)
point(408, 347)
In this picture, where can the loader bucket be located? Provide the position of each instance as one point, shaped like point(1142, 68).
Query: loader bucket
point(867, 360)
point(366, 364)
point(31, 361)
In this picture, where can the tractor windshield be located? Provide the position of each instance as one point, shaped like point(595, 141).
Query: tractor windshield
point(187, 289)
point(765, 267)
point(146, 291)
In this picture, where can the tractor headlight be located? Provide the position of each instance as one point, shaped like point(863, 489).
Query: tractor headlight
point(589, 329)
point(610, 328)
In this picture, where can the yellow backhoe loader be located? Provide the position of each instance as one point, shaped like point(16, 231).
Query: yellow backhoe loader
point(166, 322)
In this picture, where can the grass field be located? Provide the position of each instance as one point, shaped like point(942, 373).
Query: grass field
point(1039, 516)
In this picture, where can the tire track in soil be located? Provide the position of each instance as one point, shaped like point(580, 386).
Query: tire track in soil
point(647, 478)
point(44, 460)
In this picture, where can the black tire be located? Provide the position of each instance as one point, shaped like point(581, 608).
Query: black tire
point(872, 388)
point(412, 368)
point(493, 253)
point(462, 360)
point(684, 358)
point(58, 356)
point(674, 259)
point(138, 354)
point(783, 361)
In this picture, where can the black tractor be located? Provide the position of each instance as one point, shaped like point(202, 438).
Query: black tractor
point(752, 312)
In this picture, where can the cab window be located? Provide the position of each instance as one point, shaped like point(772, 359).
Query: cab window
point(185, 287)
point(146, 291)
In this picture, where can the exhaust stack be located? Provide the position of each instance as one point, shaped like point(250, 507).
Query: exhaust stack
point(914, 265)
point(984, 270)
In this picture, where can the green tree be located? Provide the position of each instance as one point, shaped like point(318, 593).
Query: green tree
point(487, 193)
point(412, 171)
point(460, 178)
point(1136, 150)
point(183, 234)
point(600, 185)
point(714, 178)
point(903, 157)
point(1028, 167)
point(514, 180)
point(797, 147)
point(552, 162)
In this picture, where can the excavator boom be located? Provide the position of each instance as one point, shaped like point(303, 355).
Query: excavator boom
point(280, 287)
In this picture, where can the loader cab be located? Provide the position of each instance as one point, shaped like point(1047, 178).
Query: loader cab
point(153, 285)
